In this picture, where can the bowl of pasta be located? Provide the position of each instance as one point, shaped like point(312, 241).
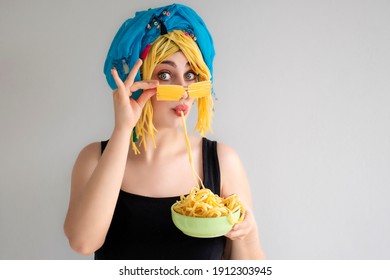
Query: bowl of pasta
point(203, 214)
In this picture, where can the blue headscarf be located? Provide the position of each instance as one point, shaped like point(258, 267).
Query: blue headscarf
point(144, 28)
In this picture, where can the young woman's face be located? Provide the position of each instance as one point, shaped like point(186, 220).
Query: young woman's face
point(175, 70)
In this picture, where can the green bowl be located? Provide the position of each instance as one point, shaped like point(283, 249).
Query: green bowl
point(203, 227)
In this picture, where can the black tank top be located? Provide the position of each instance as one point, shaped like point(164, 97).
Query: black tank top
point(142, 227)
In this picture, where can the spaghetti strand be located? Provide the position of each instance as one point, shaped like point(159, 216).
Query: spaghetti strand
point(201, 201)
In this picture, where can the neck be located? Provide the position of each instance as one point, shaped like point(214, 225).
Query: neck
point(168, 141)
point(168, 137)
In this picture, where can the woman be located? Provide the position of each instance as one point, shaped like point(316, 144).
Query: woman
point(122, 190)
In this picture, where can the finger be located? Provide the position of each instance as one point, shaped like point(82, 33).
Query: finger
point(145, 96)
point(117, 79)
point(130, 78)
point(231, 232)
point(236, 234)
point(232, 236)
point(148, 84)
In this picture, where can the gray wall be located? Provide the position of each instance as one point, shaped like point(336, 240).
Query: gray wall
point(303, 90)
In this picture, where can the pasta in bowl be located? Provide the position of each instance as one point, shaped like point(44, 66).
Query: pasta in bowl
point(204, 214)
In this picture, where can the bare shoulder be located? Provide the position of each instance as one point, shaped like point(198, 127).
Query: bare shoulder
point(229, 162)
point(86, 163)
point(90, 152)
point(228, 157)
point(233, 175)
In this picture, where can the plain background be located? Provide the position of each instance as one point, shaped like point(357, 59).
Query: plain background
point(303, 96)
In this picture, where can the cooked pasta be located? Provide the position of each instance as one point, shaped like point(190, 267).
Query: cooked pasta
point(201, 201)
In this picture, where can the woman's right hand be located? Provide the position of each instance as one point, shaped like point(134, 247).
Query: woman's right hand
point(128, 110)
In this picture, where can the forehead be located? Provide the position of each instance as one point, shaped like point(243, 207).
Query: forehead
point(176, 60)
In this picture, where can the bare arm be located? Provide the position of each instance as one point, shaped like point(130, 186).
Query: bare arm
point(243, 241)
point(96, 180)
point(94, 192)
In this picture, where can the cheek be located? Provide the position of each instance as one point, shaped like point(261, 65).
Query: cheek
point(160, 107)
point(153, 100)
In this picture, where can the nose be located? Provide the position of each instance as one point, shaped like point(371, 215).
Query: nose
point(185, 85)
point(185, 94)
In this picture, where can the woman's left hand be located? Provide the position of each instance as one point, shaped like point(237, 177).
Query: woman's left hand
point(241, 230)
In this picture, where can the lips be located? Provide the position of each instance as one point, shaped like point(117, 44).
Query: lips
point(181, 108)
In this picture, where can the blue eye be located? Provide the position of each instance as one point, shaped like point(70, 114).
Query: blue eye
point(190, 76)
point(164, 76)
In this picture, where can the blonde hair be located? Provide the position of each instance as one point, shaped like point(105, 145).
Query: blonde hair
point(165, 46)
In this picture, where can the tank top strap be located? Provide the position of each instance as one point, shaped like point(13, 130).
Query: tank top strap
point(211, 171)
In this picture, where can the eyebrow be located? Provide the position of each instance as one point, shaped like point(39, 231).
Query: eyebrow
point(173, 64)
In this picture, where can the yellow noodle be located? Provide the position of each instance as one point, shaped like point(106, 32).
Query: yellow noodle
point(202, 202)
